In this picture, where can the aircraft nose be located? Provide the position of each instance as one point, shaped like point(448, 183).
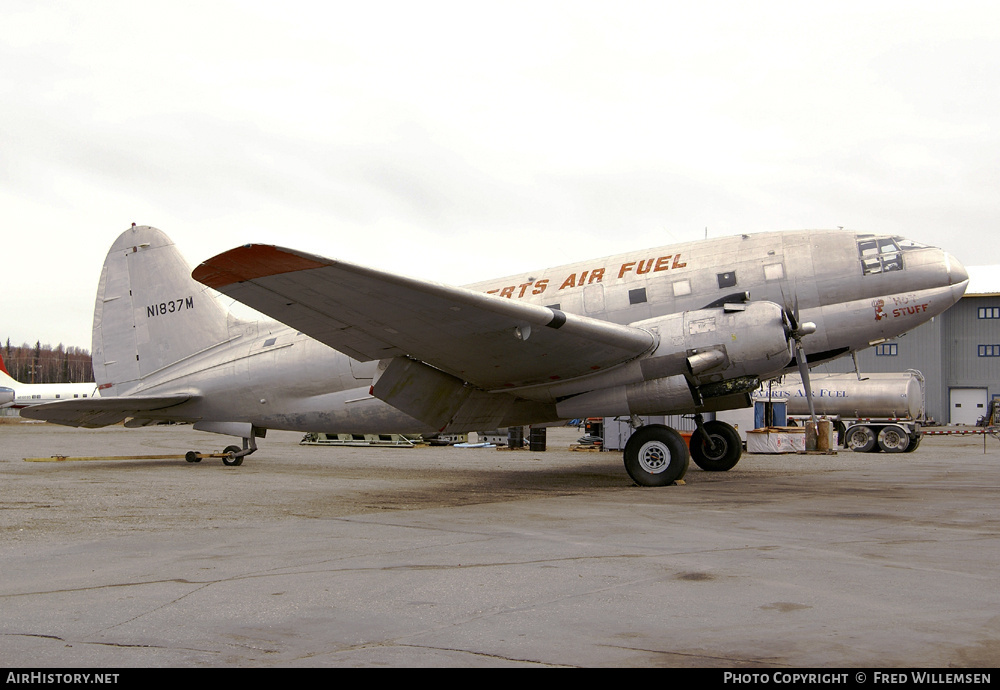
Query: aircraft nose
point(956, 271)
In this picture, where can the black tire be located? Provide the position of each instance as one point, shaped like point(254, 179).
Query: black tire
point(861, 439)
point(914, 442)
point(728, 447)
point(229, 460)
point(656, 455)
point(192, 456)
point(893, 439)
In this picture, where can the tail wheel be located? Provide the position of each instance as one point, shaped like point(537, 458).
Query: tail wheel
point(718, 449)
point(893, 439)
point(656, 455)
point(231, 460)
point(860, 439)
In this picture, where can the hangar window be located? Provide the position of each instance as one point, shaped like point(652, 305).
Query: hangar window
point(887, 350)
point(637, 296)
point(727, 279)
point(879, 255)
point(989, 350)
point(989, 312)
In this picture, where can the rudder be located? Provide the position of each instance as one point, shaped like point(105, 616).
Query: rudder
point(149, 312)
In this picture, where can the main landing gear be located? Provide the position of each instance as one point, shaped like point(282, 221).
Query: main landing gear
point(715, 446)
point(232, 456)
point(656, 455)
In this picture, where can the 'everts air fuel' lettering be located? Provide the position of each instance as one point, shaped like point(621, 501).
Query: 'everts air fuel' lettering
point(593, 275)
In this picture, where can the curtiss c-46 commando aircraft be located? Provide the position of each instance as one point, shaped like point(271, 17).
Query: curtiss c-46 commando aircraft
point(683, 329)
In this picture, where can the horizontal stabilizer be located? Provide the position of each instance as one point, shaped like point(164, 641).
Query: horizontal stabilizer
point(92, 413)
point(490, 341)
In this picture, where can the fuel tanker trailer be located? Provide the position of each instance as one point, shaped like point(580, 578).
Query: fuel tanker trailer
point(871, 413)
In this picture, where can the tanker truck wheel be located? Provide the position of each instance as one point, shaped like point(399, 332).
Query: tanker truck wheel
point(914, 442)
point(893, 439)
point(860, 439)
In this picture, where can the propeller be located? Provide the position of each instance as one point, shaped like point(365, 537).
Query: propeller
point(796, 330)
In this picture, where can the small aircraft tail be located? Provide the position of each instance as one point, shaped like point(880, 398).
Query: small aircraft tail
point(149, 312)
point(5, 378)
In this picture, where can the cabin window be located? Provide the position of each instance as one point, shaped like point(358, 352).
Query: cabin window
point(270, 341)
point(637, 296)
point(553, 306)
point(682, 288)
point(727, 280)
point(879, 255)
point(989, 350)
point(989, 312)
point(887, 350)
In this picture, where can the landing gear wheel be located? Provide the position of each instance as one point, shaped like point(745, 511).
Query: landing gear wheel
point(192, 456)
point(656, 455)
point(230, 460)
point(893, 439)
point(724, 451)
point(860, 439)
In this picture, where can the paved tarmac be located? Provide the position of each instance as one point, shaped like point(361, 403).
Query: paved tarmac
point(316, 556)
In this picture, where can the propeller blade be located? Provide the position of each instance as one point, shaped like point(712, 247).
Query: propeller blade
point(796, 330)
point(800, 360)
point(786, 311)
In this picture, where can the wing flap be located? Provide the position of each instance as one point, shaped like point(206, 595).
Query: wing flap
point(492, 342)
point(92, 413)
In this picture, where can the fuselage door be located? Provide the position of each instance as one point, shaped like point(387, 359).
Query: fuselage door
point(593, 299)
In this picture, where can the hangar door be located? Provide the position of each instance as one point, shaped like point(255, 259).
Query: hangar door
point(967, 405)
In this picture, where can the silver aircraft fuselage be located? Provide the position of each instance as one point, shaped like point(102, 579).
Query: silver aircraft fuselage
point(858, 289)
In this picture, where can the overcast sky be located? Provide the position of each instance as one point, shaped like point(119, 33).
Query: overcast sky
point(457, 141)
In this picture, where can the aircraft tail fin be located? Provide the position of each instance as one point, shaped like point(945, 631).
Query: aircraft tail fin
point(5, 377)
point(149, 312)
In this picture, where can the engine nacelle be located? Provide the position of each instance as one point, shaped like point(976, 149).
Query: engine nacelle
point(700, 354)
point(730, 342)
point(669, 393)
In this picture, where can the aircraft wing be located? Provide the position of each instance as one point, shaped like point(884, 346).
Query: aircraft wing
point(92, 413)
point(492, 342)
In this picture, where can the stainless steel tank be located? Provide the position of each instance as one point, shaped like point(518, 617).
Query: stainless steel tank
point(897, 395)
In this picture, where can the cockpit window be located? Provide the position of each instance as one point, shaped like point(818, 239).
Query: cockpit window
point(906, 244)
point(879, 255)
